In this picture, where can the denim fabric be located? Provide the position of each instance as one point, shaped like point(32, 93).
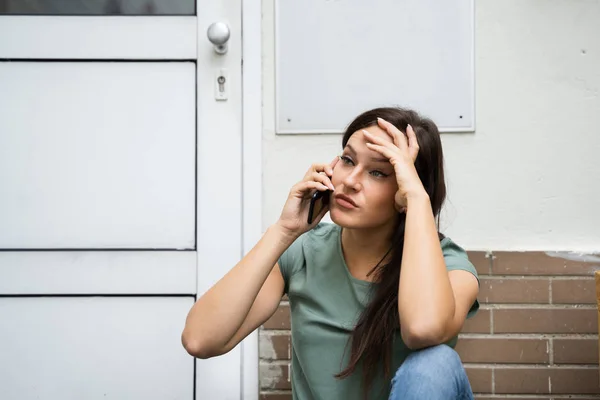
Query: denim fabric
point(434, 373)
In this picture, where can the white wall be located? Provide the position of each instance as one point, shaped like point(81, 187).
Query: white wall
point(527, 179)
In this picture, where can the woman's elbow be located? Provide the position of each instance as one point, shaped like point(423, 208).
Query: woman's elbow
point(419, 336)
point(197, 347)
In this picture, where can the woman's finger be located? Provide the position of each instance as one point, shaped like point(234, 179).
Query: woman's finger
point(413, 144)
point(397, 136)
point(306, 187)
point(327, 168)
point(379, 141)
point(383, 150)
point(323, 178)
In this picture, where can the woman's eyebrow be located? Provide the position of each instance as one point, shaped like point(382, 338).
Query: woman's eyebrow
point(374, 159)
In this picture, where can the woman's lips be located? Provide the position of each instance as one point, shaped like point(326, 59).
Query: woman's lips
point(345, 201)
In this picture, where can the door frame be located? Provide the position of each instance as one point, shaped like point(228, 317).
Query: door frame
point(252, 129)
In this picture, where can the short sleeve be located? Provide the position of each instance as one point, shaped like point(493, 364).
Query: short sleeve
point(456, 258)
point(291, 261)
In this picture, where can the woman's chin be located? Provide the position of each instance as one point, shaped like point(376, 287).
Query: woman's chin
point(345, 219)
point(354, 220)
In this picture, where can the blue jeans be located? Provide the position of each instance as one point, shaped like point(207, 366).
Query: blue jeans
point(434, 373)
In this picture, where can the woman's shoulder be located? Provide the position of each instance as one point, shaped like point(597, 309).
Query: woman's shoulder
point(324, 234)
point(324, 229)
point(310, 248)
point(449, 246)
point(456, 256)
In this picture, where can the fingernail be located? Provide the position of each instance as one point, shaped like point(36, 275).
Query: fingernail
point(366, 132)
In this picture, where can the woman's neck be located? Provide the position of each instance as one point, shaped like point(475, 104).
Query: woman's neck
point(364, 248)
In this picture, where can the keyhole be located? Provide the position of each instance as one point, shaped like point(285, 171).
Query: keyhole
point(221, 82)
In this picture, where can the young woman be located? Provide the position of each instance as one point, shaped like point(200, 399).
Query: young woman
point(378, 298)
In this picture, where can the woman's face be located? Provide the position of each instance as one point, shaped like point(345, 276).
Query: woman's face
point(365, 185)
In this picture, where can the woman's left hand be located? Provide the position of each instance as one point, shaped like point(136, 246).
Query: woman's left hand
point(402, 153)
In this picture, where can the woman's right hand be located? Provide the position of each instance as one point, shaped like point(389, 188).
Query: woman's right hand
point(294, 217)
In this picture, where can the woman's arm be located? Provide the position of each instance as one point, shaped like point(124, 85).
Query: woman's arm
point(432, 302)
point(245, 297)
point(250, 292)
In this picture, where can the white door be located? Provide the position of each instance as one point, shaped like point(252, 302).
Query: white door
point(120, 188)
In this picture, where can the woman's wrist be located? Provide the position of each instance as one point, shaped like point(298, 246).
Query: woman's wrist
point(283, 235)
point(418, 195)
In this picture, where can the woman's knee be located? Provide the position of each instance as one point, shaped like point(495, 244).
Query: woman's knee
point(436, 361)
point(432, 373)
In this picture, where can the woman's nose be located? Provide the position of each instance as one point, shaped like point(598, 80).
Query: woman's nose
point(352, 180)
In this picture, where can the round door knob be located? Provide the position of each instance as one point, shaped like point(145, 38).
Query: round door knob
point(218, 34)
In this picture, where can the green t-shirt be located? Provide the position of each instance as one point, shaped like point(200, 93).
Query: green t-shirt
point(325, 303)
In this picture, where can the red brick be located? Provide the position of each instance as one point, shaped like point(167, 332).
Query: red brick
point(499, 397)
point(540, 380)
point(514, 290)
point(276, 396)
point(482, 264)
point(480, 323)
point(539, 263)
point(274, 376)
point(280, 319)
point(541, 320)
point(502, 397)
point(480, 379)
point(274, 347)
point(575, 351)
point(492, 350)
point(521, 380)
point(575, 381)
point(574, 291)
point(533, 397)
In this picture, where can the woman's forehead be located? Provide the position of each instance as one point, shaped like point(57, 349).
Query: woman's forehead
point(358, 138)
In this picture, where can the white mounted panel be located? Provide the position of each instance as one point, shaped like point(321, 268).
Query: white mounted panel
point(336, 59)
point(94, 348)
point(102, 37)
point(97, 155)
point(97, 272)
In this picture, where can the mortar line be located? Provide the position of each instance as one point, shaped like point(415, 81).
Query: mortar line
point(551, 351)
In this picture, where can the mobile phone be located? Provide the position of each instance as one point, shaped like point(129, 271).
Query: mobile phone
point(317, 206)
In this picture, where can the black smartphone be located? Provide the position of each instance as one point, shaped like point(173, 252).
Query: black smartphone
point(317, 206)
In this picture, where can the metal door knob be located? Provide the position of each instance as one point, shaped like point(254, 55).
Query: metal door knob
point(218, 34)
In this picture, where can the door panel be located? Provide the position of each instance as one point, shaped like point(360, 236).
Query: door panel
point(121, 37)
point(92, 348)
point(97, 155)
point(97, 272)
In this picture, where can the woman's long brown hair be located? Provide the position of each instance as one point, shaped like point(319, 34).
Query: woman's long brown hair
point(372, 339)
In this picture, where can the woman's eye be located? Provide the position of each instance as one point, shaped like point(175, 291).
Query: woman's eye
point(347, 160)
point(379, 174)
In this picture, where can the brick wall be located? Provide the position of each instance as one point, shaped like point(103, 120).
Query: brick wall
point(535, 336)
